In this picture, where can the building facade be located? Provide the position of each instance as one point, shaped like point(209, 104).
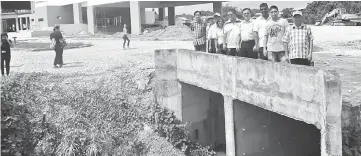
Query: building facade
point(15, 15)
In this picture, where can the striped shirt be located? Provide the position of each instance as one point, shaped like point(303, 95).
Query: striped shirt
point(232, 31)
point(298, 39)
point(199, 32)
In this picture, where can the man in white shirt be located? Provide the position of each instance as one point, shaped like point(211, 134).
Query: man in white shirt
point(212, 34)
point(275, 30)
point(247, 35)
point(232, 33)
point(259, 29)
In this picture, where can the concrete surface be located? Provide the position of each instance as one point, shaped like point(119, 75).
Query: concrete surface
point(303, 93)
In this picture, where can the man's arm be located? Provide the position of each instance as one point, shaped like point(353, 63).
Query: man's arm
point(285, 40)
point(10, 43)
point(256, 37)
point(310, 36)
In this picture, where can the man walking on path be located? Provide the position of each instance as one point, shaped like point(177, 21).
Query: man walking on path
point(198, 29)
point(212, 34)
point(247, 35)
point(259, 30)
point(298, 41)
point(58, 40)
point(275, 30)
point(232, 33)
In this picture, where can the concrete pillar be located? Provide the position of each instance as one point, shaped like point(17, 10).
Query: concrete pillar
point(77, 13)
point(161, 14)
point(27, 23)
point(21, 23)
point(142, 15)
point(217, 7)
point(171, 16)
point(90, 17)
point(229, 126)
point(135, 21)
point(17, 24)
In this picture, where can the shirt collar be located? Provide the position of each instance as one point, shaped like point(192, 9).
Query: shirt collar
point(301, 27)
point(250, 21)
point(262, 18)
point(237, 20)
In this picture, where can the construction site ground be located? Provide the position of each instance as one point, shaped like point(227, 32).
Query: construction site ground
point(337, 48)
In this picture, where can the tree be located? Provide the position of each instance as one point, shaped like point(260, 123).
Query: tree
point(287, 12)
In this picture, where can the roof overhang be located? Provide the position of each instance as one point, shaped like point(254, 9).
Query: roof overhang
point(146, 4)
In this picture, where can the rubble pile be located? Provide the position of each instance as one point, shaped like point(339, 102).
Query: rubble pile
point(176, 32)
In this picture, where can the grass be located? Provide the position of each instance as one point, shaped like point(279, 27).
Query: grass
point(41, 46)
point(99, 115)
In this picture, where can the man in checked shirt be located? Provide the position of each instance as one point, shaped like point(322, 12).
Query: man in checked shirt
point(198, 29)
point(298, 41)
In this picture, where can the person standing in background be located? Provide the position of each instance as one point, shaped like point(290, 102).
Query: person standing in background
point(248, 37)
point(220, 36)
point(57, 38)
point(259, 30)
point(212, 34)
point(232, 33)
point(125, 36)
point(6, 46)
point(275, 30)
point(198, 28)
point(298, 41)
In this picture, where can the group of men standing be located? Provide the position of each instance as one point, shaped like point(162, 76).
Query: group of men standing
point(268, 37)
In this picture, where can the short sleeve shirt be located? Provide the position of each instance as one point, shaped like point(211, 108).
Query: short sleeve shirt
point(232, 31)
point(247, 30)
point(57, 36)
point(275, 31)
point(259, 26)
point(199, 32)
point(298, 39)
point(5, 48)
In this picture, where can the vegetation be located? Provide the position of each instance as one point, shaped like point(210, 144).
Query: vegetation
point(45, 114)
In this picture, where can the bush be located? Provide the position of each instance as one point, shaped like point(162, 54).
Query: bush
point(41, 116)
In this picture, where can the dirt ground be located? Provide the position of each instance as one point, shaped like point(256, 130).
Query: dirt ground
point(337, 48)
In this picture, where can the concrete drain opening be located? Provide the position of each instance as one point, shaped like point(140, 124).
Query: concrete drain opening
point(204, 110)
point(262, 132)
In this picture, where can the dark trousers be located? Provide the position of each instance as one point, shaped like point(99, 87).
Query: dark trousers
point(212, 46)
point(5, 59)
point(300, 61)
point(201, 47)
point(231, 51)
point(247, 49)
point(261, 55)
point(58, 55)
point(220, 49)
point(125, 38)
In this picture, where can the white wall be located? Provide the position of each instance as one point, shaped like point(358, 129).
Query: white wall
point(40, 12)
point(65, 12)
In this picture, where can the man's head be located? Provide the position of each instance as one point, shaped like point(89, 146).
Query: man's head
point(4, 36)
point(273, 10)
point(56, 28)
point(247, 13)
point(197, 15)
point(217, 16)
point(297, 17)
point(264, 9)
point(232, 14)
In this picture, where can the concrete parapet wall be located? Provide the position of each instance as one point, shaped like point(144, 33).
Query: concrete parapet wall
point(303, 93)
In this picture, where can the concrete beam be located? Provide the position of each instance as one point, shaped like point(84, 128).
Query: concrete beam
point(161, 14)
point(1, 27)
point(77, 13)
point(17, 24)
point(229, 125)
point(171, 16)
point(21, 23)
point(135, 15)
point(142, 15)
point(90, 17)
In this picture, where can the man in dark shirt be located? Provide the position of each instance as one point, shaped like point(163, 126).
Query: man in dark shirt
point(6, 44)
point(56, 37)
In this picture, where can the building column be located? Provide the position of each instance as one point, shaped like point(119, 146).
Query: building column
point(217, 7)
point(77, 13)
point(21, 23)
point(90, 17)
point(27, 23)
point(171, 16)
point(17, 24)
point(229, 126)
point(1, 20)
point(161, 14)
point(135, 21)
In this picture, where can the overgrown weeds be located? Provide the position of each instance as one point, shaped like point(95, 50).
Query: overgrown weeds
point(41, 115)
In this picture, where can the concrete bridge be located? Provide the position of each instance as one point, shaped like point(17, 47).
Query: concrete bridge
point(253, 107)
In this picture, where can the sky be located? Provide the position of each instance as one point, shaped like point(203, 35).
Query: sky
point(240, 4)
